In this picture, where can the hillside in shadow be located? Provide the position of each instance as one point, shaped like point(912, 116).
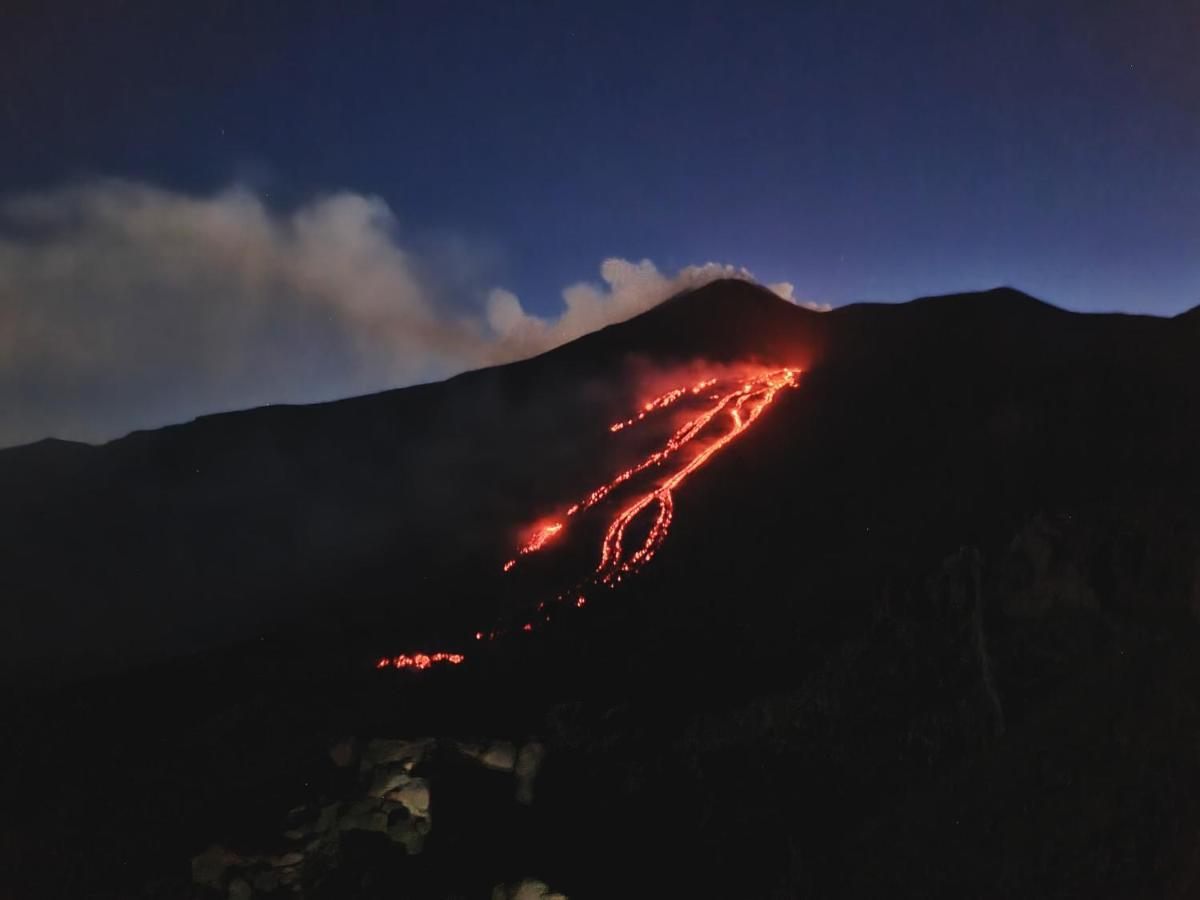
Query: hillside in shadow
point(929, 628)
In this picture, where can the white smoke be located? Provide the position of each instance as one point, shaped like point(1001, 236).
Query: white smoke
point(629, 288)
point(126, 305)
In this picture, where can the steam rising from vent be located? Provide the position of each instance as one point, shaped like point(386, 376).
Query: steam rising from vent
point(629, 288)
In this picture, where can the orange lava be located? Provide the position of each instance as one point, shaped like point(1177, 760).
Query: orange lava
point(537, 542)
point(743, 402)
point(661, 402)
point(418, 660)
point(736, 404)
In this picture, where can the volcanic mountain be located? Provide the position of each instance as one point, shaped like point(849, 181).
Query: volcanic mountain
point(916, 616)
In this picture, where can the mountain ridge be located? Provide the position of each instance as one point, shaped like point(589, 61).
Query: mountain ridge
point(967, 303)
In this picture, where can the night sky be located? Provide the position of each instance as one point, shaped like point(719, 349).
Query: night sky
point(859, 151)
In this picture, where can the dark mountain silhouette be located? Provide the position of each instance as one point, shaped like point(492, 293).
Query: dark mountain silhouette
point(232, 520)
point(928, 629)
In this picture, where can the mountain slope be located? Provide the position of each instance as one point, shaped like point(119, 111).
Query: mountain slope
point(928, 626)
point(236, 520)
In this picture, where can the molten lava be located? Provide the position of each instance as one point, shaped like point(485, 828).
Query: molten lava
point(661, 402)
point(536, 541)
point(743, 401)
point(418, 660)
point(735, 404)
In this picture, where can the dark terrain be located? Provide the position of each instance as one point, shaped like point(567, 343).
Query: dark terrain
point(931, 628)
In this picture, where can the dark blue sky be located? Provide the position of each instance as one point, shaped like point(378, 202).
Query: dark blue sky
point(859, 150)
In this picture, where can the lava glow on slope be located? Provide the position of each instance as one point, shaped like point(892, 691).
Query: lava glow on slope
point(418, 660)
point(536, 541)
point(743, 401)
point(731, 406)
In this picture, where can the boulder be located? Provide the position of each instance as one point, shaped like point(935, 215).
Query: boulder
point(382, 751)
point(529, 760)
point(321, 824)
point(365, 815)
point(527, 889)
point(500, 755)
point(292, 858)
point(414, 796)
point(387, 779)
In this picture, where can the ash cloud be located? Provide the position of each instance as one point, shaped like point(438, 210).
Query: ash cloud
point(126, 305)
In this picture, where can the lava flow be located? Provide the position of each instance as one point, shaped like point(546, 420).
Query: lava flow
point(738, 402)
point(537, 541)
point(418, 660)
point(743, 401)
point(660, 403)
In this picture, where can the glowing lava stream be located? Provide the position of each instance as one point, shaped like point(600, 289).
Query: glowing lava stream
point(660, 403)
point(744, 401)
point(536, 542)
point(745, 404)
point(418, 660)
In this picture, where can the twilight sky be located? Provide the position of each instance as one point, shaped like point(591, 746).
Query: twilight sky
point(234, 203)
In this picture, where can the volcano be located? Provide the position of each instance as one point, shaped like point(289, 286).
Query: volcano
point(895, 600)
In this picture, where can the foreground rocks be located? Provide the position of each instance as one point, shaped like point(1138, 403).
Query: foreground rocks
point(528, 889)
point(1038, 692)
point(393, 797)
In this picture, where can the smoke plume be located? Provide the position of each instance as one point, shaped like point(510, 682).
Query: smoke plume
point(125, 305)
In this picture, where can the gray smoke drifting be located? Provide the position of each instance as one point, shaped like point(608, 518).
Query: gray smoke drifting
point(126, 305)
